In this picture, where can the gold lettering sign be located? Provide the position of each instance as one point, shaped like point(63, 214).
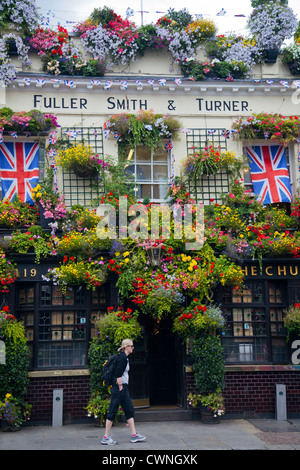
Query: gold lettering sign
point(267, 271)
point(281, 270)
point(294, 272)
point(253, 270)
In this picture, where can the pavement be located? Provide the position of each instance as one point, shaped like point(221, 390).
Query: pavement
point(176, 437)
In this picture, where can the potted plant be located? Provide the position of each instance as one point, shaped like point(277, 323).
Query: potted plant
point(270, 24)
point(14, 373)
point(10, 414)
point(80, 159)
point(212, 406)
point(292, 319)
point(209, 372)
point(97, 408)
point(291, 57)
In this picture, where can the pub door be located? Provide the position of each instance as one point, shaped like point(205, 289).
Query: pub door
point(156, 366)
point(162, 365)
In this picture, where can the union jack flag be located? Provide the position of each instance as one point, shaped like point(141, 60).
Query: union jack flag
point(19, 169)
point(269, 173)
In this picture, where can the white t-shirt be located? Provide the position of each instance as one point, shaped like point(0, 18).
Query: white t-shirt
point(125, 376)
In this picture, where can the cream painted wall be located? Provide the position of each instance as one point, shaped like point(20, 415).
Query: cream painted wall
point(205, 104)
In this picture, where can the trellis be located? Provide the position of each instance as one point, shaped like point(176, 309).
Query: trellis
point(79, 190)
point(207, 189)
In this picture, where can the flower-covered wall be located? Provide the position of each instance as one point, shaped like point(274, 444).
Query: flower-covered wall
point(168, 114)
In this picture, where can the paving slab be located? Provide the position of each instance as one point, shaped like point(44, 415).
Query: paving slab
point(172, 436)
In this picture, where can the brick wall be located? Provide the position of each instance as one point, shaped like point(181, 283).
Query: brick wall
point(75, 397)
point(248, 394)
point(252, 394)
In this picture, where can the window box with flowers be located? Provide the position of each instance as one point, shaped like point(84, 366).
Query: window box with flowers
point(16, 214)
point(145, 128)
point(274, 126)
point(73, 273)
point(32, 122)
point(34, 240)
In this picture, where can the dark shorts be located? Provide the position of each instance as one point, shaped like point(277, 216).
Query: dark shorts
point(120, 398)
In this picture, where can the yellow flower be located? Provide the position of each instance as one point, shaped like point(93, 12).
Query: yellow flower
point(126, 260)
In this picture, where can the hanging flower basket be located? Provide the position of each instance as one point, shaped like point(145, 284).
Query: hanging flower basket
point(84, 172)
point(271, 56)
point(81, 160)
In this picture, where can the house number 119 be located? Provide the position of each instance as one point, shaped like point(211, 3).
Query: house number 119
point(31, 272)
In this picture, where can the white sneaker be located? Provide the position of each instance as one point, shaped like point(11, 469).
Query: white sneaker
point(108, 441)
point(137, 438)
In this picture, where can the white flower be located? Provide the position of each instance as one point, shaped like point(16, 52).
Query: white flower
point(271, 24)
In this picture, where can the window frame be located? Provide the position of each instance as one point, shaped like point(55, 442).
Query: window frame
point(151, 163)
point(248, 354)
point(87, 308)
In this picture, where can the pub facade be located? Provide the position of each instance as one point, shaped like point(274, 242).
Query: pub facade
point(60, 324)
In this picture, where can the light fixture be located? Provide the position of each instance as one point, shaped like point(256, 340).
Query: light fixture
point(154, 253)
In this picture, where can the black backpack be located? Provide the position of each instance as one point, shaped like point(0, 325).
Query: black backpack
point(108, 370)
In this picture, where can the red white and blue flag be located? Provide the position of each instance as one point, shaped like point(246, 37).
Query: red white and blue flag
point(269, 173)
point(19, 169)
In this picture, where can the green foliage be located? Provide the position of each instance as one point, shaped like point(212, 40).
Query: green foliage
point(14, 373)
point(208, 364)
point(102, 15)
point(257, 3)
point(181, 18)
point(35, 238)
point(197, 319)
point(292, 319)
point(117, 325)
point(99, 351)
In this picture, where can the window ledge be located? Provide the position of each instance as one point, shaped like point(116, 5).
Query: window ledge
point(58, 373)
point(262, 367)
point(255, 368)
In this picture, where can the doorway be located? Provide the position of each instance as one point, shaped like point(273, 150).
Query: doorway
point(162, 364)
